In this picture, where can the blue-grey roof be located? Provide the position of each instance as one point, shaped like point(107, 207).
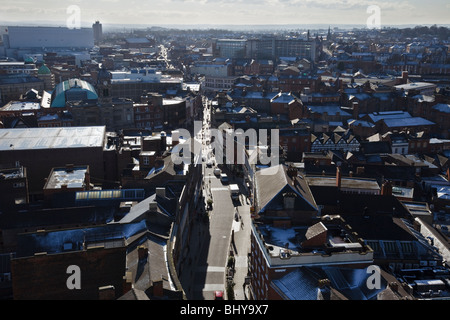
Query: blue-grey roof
point(442, 107)
point(283, 98)
point(407, 122)
point(303, 283)
point(298, 285)
point(330, 110)
point(377, 116)
point(57, 241)
point(362, 123)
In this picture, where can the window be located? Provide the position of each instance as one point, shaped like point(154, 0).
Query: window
point(18, 184)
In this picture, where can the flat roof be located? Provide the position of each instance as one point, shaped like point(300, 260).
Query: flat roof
point(21, 105)
point(73, 177)
point(346, 182)
point(52, 138)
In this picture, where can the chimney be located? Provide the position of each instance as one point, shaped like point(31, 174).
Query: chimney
point(404, 77)
point(142, 253)
point(324, 283)
point(161, 192)
point(324, 292)
point(355, 110)
point(127, 282)
point(386, 188)
point(153, 206)
point(338, 177)
point(106, 293)
point(87, 180)
point(158, 289)
point(292, 172)
point(394, 286)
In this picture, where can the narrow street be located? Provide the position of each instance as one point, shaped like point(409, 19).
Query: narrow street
point(211, 246)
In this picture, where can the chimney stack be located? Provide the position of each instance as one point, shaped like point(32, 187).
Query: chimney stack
point(355, 110)
point(292, 172)
point(394, 286)
point(338, 177)
point(386, 189)
point(153, 206)
point(87, 180)
point(142, 253)
point(158, 289)
point(161, 192)
point(404, 77)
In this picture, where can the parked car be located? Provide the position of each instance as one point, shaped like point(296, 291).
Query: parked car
point(224, 178)
point(217, 172)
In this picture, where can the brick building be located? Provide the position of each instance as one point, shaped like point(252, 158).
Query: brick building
point(41, 149)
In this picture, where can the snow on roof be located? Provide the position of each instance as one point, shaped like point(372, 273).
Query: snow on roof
point(442, 107)
point(408, 122)
point(51, 138)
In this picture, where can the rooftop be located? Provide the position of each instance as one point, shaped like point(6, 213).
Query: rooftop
point(20, 106)
point(328, 241)
point(73, 177)
point(13, 173)
point(52, 138)
point(78, 239)
point(346, 182)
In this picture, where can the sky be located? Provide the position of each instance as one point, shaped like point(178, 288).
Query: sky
point(227, 12)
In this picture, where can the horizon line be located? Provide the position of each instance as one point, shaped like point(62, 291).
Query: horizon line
point(216, 25)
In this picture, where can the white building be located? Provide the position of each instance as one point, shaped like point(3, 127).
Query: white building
point(20, 40)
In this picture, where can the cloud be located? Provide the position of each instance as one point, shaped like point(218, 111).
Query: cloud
point(231, 11)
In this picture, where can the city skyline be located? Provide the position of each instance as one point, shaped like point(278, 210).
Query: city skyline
point(231, 12)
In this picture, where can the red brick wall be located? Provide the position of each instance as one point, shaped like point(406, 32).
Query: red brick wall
point(45, 276)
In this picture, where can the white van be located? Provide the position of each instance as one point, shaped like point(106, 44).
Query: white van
point(234, 191)
point(223, 178)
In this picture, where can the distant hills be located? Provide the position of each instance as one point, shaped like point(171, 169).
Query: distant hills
point(231, 27)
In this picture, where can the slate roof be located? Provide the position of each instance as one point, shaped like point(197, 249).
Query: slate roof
point(345, 284)
point(442, 107)
point(273, 181)
point(54, 241)
point(407, 122)
point(153, 268)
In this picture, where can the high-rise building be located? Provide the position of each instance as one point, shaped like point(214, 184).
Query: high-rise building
point(231, 48)
point(98, 31)
point(268, 48)
point(20, 40)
